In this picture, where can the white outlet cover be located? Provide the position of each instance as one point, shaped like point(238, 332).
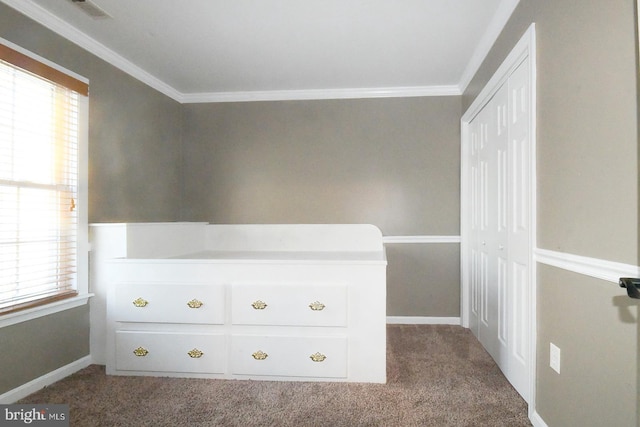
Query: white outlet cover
point(554, 357)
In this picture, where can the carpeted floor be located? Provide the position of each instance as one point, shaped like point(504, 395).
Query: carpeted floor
point(437, 375)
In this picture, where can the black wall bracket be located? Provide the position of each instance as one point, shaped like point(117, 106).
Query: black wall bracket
point(632, 285)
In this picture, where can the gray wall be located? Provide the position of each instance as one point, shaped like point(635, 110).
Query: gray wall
point(393, 163)
point(35, 348)
point(135, 175)
point(587, 201)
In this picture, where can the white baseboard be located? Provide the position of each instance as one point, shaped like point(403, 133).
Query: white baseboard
point(32, 386)
point(422, 320)
point(537, 420)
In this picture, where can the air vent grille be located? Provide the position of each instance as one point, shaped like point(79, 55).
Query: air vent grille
point(91, 9)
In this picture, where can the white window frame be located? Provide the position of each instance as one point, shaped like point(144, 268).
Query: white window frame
point(82, 205)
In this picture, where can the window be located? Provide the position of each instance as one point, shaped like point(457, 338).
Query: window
point(42, 206)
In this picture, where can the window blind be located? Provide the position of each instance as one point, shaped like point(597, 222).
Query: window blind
point(39, 125)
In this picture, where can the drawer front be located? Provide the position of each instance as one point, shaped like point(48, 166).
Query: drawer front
point(323, 357)
point(168, 303)
point(289, 305)
point(170, 352)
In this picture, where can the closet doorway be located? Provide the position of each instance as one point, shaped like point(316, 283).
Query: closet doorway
point(498, 217)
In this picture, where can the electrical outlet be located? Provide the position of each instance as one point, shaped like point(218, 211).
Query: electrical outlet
point(554, 357)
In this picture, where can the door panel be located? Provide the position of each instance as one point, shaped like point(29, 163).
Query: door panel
point(501, 229)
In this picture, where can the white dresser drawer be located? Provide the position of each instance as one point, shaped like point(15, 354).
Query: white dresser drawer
point(169, 303)
point(289, 305)
point(323, 357)
point(170, 352)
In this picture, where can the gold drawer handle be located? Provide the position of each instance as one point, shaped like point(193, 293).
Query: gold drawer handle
point(194, 303)
point(195, 353)
point(140, 351)
point(317, 306)
point(259, 305)
point(260, 355)
point(318, 357)
point(140, 302)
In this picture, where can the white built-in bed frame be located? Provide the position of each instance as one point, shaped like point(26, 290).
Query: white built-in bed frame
point(275, 302)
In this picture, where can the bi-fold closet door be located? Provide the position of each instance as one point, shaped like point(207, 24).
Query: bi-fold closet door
point(500, 226)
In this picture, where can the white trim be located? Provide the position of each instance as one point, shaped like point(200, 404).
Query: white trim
point(537, 420)
point(499, 20)
point(524, 48)
point(421, 239)
point(310, 94)
point(43, 60)
point(593, 267)
point(57, 25)
point(44, 310)
point(39, 383)
point(422, 320)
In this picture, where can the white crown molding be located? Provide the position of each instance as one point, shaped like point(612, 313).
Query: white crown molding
point(57, 25)
point(45, 61)
point(593, 267)
point(499, 20)
point(309, 94)
point(421, 239)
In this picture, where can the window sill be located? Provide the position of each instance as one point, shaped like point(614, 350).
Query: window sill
point(43, 310)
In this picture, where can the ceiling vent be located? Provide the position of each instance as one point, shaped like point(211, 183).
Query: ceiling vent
point(91, 9)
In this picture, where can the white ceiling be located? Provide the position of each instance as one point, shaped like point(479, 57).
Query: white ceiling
point(221, 50)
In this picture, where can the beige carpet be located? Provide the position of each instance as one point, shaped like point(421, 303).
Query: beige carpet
point(436, 376)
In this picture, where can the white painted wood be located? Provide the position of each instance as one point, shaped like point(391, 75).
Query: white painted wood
point(168, 303)
point(498, 217)
point(169, 352)
point(349, 281)
point(45, 310)
point(593, 267)
point(486, 230)
point(151, 240)
point(289, 356)
point(420, 239)
point(536, 419)
point(519, 236)
point(293, 238)
point(313, 94)
point(289, 304)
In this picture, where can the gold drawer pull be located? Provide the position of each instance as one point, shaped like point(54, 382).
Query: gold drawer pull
point(318, 357)
point(140, 302)
point(194, 303)
point(260, 355)
point(195, 353)
point(259, 305)
point(140, 351)
point(317, 306)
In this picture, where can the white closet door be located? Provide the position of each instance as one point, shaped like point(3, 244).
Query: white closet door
point(500, 227)
point(520, 233)
point(487, 237)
